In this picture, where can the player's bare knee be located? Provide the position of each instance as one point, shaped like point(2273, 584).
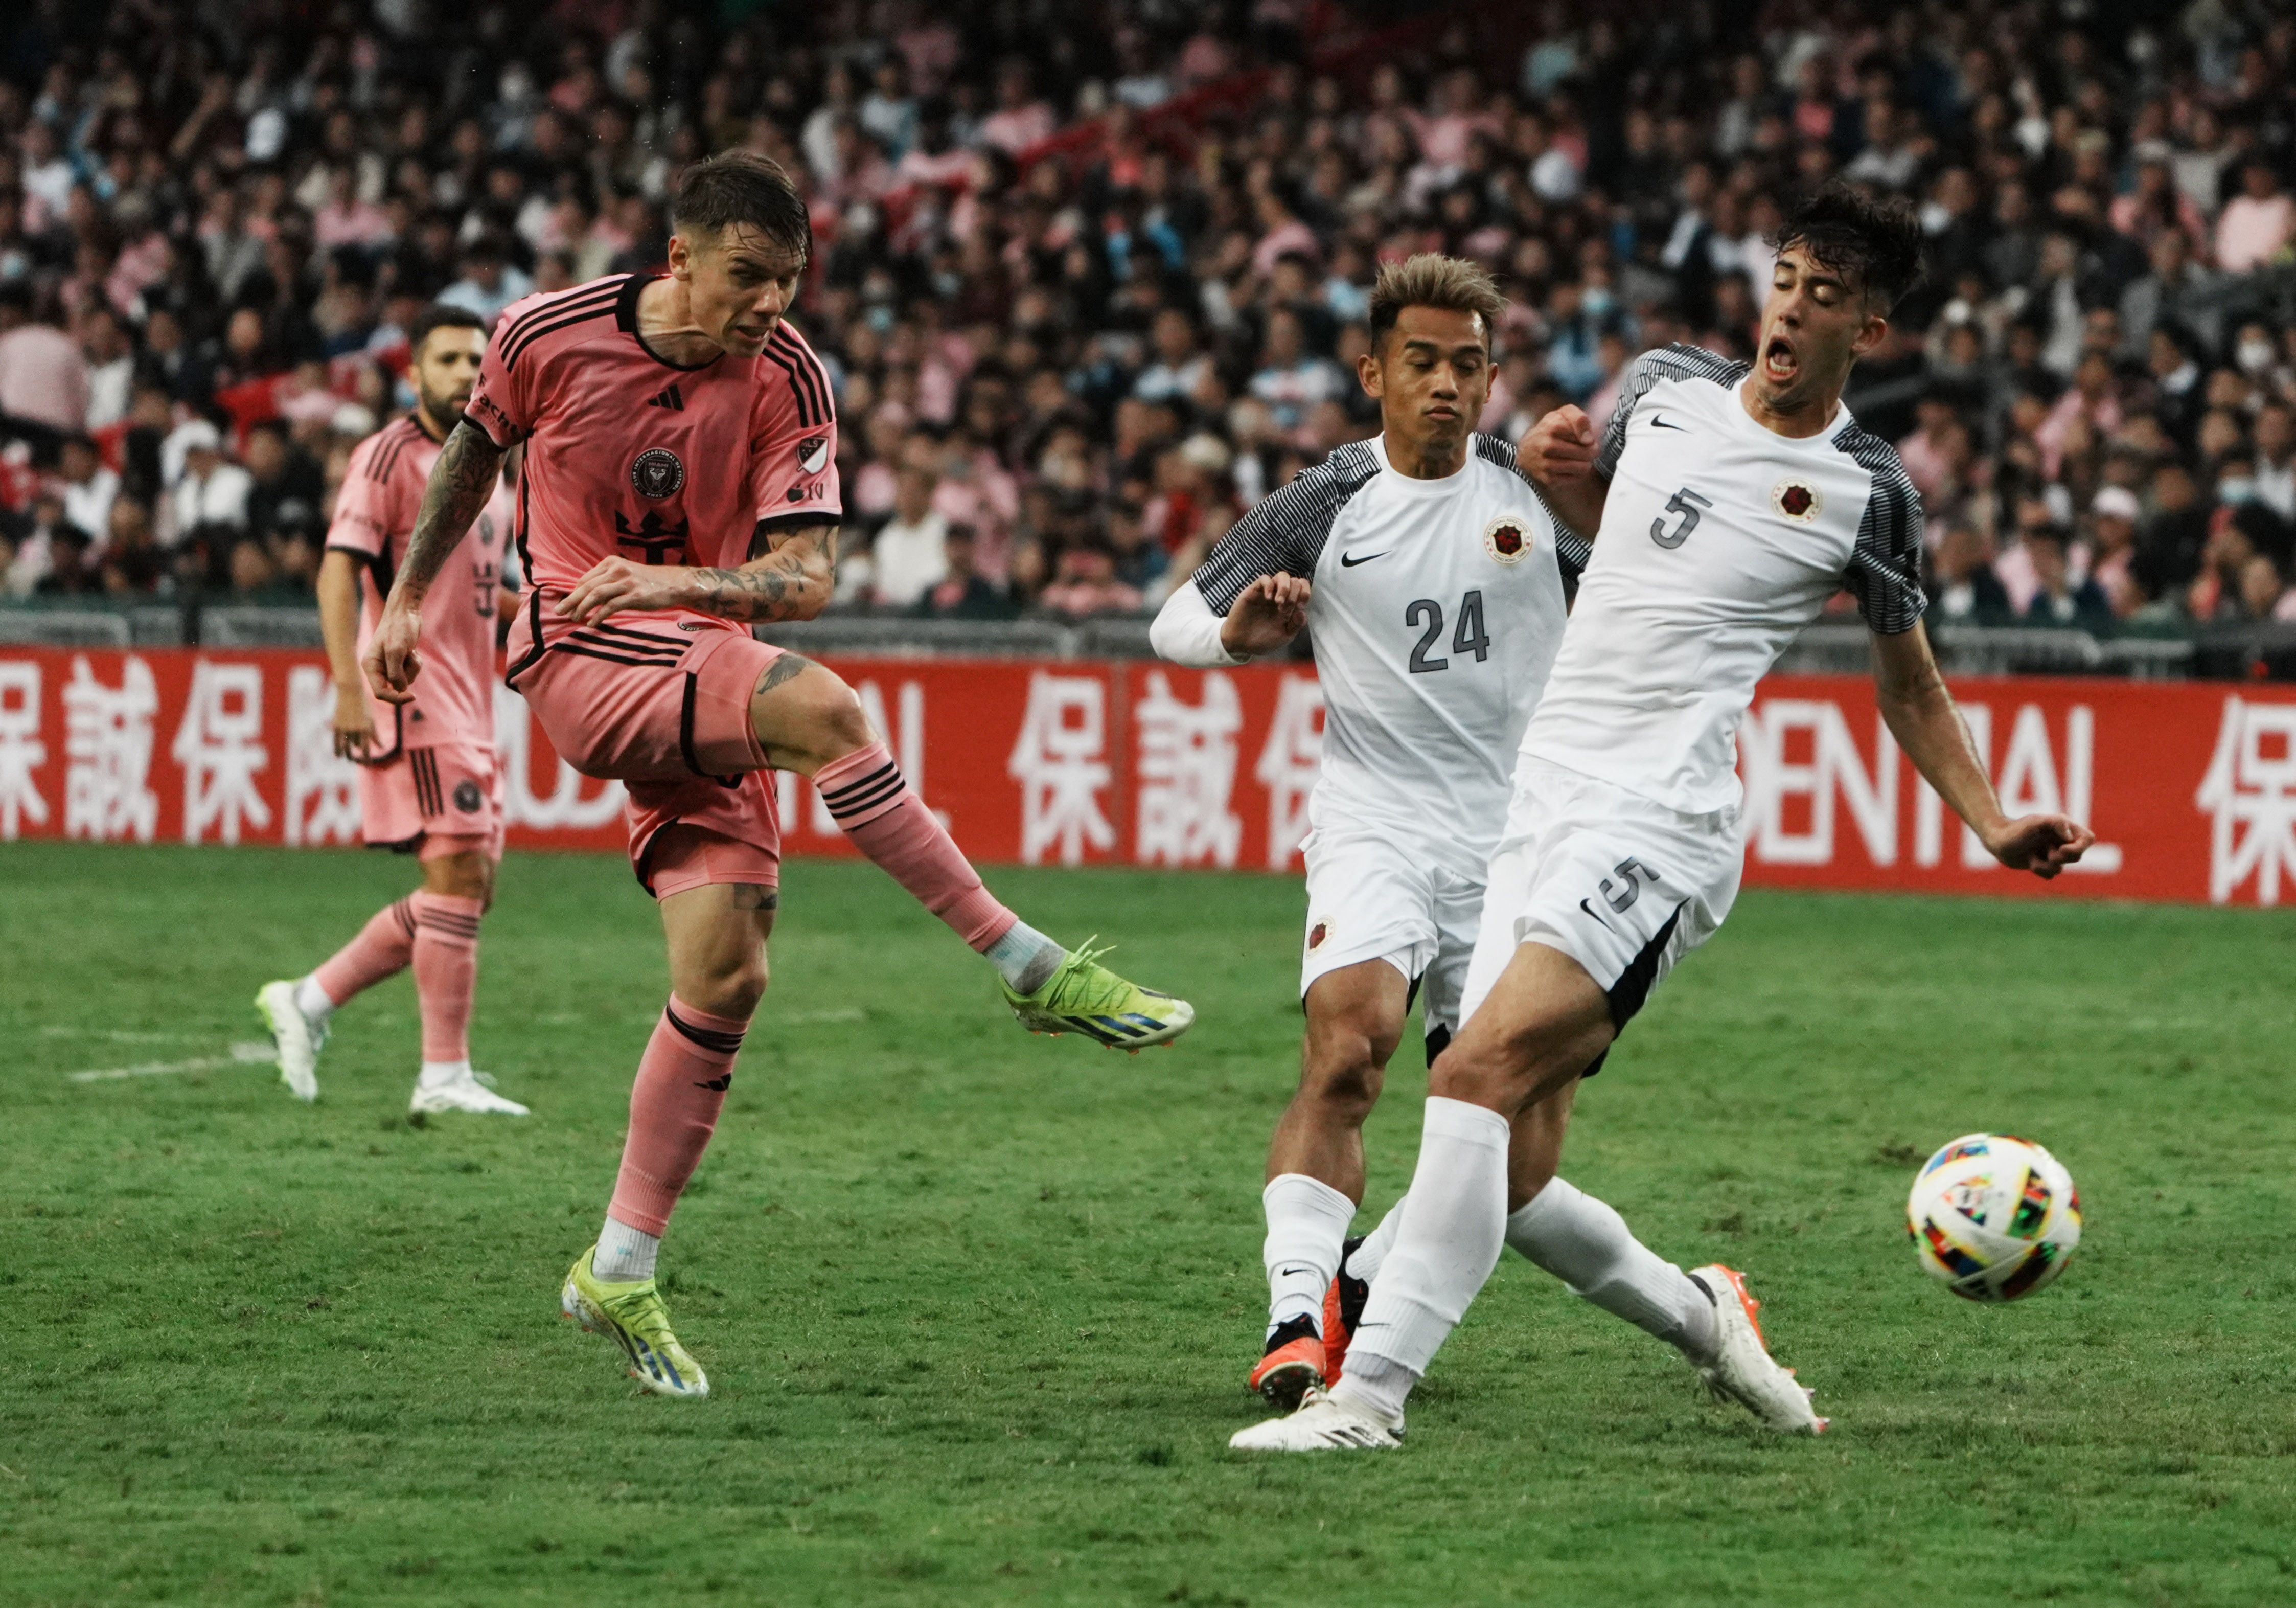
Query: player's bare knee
point(731, 988)
point(809, 718)
point(844, 724)
point(466, 875)
point(1346, 1079)
point(1481, 1074)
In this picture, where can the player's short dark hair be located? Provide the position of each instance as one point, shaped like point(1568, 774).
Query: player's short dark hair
point(1429, 280)
point(1875, 244)
point(742, 187)
point(440, 316)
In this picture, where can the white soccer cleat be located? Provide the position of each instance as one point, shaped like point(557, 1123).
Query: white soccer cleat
point(1742, 1370)
point(463, 1094)
point(296, 1035)
point(1323, 1424)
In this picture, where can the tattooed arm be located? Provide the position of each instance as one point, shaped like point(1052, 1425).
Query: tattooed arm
point(460, 483)
point(790, 576)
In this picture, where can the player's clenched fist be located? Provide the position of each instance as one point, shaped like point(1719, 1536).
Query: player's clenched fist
point(616, 582)
point(391, 662)
point(1266, 615)
point(1561, 447)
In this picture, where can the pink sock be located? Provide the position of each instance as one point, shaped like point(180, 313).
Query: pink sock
point(382, 950)
point(683, 1078)
point(446, 971)
point(866, 794)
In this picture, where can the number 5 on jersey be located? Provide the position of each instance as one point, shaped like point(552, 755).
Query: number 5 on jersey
point(1470, 637)
point(1689, 505)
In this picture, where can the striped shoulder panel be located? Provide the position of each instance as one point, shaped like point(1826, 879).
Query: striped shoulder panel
point(1676, 361)
point(1572, 550)
point(1285, 531)
point(389, 444)
point(809, 381)
point(561, 309)
point(1885, 567)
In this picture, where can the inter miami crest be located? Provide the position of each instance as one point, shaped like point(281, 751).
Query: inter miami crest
point(1507, 539)
point(466, 795)
point(657, 473)
point(813, 453)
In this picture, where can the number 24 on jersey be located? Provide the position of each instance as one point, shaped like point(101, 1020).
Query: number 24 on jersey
point(1470, 637)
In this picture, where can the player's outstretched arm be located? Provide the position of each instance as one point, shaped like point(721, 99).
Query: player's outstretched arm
point(1558, 456)
point(792, 580)
point(460, 483)
point(1921, 718)
point(1267, 613)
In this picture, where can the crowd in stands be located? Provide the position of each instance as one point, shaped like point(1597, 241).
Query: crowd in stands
point(1091, 279)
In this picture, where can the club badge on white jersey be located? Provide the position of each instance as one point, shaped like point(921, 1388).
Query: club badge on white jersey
point(1437, 608)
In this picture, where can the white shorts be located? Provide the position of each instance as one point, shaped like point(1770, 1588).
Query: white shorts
point(1623, 886)
point(1375, 895)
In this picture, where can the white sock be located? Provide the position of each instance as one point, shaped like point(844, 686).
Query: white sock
point(1377, 1383)
point(1450, 1240)
point(624, 1254)
point(1306, 1224)
point(1025, 957)
point(435, 1072)
point(1588, 1246)
point(312, 1000)
point(1364, 1263)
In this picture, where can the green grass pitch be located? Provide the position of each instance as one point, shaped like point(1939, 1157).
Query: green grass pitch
point(977, 1307)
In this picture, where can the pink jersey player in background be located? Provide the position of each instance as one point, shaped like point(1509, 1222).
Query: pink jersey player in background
point(680, 485)
point(430, 783)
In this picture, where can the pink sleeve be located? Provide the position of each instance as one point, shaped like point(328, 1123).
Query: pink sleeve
point(500, 403)
point(796, 468)
point(362, 523)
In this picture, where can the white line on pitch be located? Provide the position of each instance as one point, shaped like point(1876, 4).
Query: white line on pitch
point(241, 1055)
point(116, 1035)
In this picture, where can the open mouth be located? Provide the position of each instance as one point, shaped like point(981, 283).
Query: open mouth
point(1779, 363)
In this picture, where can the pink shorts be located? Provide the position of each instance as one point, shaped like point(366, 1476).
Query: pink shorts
point(663, 707)
point(434, 801)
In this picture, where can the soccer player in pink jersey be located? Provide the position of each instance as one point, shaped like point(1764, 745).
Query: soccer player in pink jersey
point(430, 784)
point(680, 484)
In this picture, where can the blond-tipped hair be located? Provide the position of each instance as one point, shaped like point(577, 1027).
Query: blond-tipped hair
point(1429, 280)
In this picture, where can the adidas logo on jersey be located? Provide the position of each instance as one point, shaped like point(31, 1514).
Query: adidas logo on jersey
point(669, 399)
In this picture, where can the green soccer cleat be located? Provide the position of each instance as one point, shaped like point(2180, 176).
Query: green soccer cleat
point(634, 1315)
point(1085, 996)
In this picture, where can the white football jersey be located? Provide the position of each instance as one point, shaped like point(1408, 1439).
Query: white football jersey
point(1436, 610)
point(1721, 541)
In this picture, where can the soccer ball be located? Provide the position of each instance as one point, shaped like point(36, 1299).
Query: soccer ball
point(1993, 1217)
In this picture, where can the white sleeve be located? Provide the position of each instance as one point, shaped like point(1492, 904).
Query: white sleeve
point(1187, 632)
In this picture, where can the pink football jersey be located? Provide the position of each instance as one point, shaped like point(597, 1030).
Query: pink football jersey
point(628, 454)
point(374, 514)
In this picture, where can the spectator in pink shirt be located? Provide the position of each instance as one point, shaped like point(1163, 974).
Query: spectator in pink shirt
point(2092, 399)
point(1019, 120)
point(2255, 225)
point(1282, 234)
point(43, 377)
point(346, 220)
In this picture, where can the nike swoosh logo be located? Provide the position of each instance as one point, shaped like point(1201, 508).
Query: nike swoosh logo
point(1589, 909)
point(1660, 424)
point(1349, 560)
point(1288, 1272)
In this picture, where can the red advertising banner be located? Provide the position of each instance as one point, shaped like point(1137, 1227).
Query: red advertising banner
point(2191, 787)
